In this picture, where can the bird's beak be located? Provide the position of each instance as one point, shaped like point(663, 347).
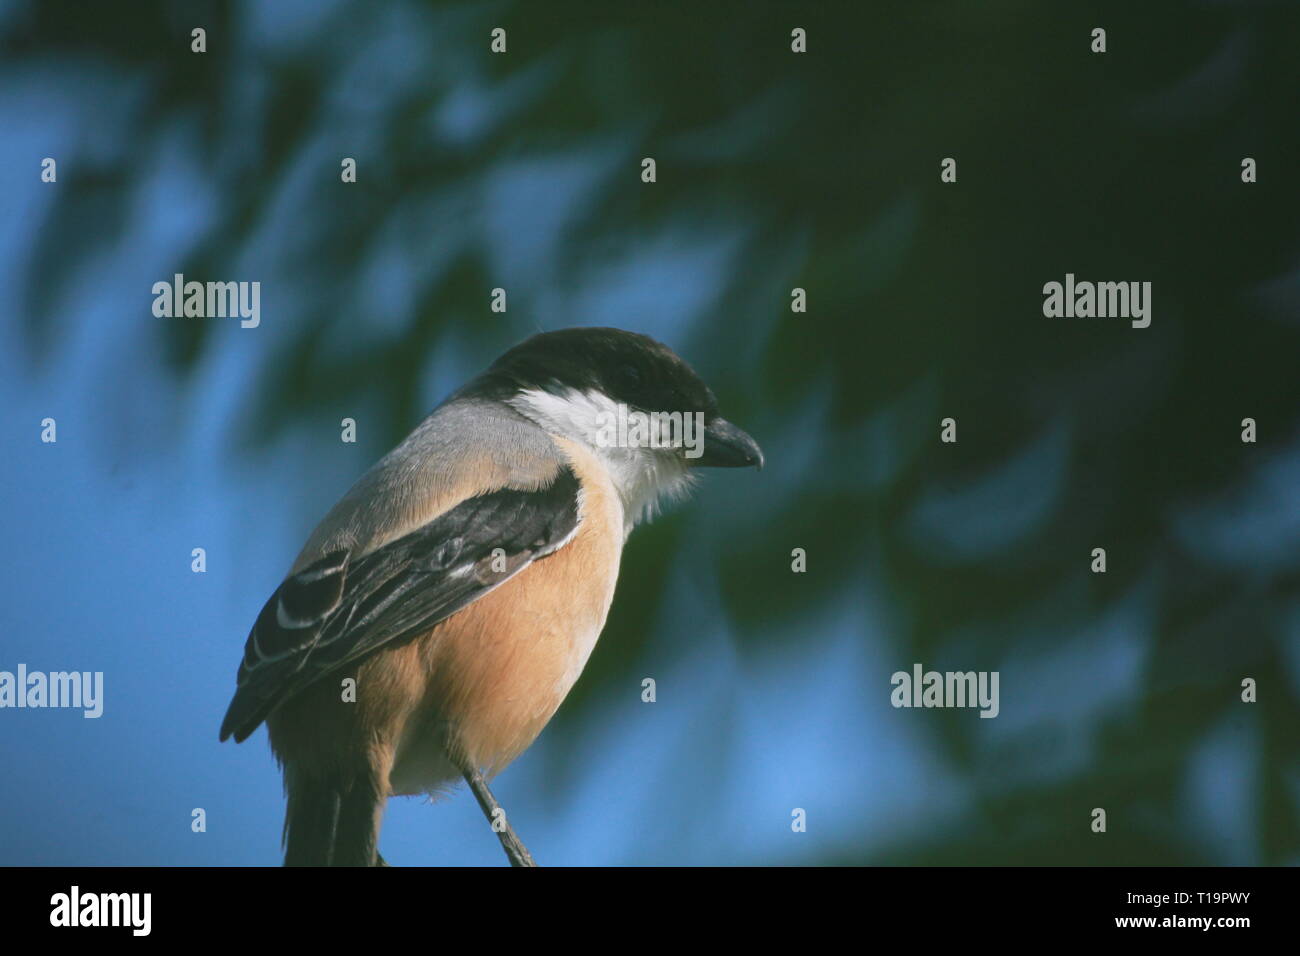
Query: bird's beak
point(726, 446)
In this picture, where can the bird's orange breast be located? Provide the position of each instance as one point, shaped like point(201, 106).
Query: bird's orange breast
point(481, 684)
point(499, 669)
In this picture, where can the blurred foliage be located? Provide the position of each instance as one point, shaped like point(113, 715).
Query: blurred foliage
point(925, 302)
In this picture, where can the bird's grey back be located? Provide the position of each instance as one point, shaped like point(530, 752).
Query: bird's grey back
point(467, 446)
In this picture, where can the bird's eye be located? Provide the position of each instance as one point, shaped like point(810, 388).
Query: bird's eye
point(631, 376)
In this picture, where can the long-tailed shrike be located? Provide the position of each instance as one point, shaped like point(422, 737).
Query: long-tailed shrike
point(439, 614)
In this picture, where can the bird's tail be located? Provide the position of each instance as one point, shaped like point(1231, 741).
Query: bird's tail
point(333, 821)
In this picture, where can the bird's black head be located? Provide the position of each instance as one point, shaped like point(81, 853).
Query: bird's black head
point(618, 367)
point(626, 366)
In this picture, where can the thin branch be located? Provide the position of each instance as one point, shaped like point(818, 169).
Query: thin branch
point(514, 847)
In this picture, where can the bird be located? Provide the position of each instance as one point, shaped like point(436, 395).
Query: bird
point(442, 610)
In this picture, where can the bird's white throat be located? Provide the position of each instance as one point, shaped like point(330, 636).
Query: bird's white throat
point(645, 470)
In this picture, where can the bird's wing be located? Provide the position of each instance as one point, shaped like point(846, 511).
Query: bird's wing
point(342, 607)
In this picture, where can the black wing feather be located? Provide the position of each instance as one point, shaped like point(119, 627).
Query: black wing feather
point(338, 609)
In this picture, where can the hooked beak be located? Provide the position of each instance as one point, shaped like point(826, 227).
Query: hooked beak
point(726, 446)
